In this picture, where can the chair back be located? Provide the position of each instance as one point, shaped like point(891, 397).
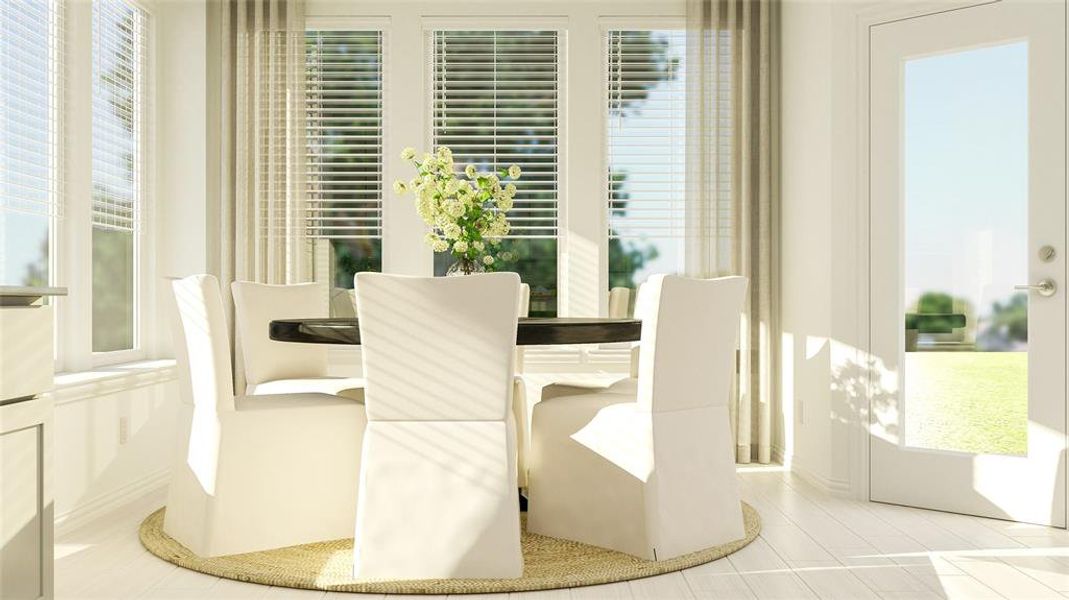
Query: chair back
point(202, 343)
point(643, 301)
point(342, 303)
point(437, 348)
point(688, 341)
point(525, 300)
point(255, 306)
point(619, 300)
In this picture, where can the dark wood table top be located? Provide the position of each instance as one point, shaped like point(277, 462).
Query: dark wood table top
point(529, 331)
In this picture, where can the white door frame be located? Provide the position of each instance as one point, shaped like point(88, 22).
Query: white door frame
point(851, 22)
point(851, 152)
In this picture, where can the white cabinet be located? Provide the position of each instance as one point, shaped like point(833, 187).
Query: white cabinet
point(26, 370)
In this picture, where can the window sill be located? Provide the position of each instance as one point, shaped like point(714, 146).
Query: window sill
point(101, 381)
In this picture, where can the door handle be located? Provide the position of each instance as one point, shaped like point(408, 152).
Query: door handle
point(1045, 287)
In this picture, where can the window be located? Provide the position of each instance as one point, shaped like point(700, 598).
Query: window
point(118, 173)
point(344, 106)
point(30, 178)
point(496, 103)
point(646, 153)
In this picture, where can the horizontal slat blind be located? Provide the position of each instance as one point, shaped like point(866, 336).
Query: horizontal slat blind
point(31, 36)
point(646, 133)
point(120, 58)
point(496, 103)
point(344, 105)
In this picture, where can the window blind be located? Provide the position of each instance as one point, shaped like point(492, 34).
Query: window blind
point(497, 103)
point(120, 55)
point(646, 134)
point(344, 105)
point(31, 36)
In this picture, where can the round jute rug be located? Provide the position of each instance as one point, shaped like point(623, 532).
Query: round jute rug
point(549, 563)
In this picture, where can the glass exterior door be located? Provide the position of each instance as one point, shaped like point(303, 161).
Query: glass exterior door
point(967, 166)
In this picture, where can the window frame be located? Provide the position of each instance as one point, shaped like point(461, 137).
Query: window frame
point(559, 25)
point(582, 225)
point(74, 233)
point(606, 26)
point(382, 26)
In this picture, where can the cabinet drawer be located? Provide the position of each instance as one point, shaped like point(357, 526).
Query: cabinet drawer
point(26, 363)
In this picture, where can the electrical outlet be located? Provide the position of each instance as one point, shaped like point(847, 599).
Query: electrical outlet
point(124, 430)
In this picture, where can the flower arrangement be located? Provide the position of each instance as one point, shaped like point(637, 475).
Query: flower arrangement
point(468, 214)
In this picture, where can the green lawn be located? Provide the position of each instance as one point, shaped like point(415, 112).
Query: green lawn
point(968, 401)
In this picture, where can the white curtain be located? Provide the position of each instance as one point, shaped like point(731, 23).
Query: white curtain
point(732, 189)
point(264, 136)
point(262, 220)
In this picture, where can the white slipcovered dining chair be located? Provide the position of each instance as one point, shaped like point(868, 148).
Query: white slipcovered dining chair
point(650, 474)
point(438, 472)
point(255, 472)
point(619, 302)
point(273, 367)
point(519, 396)
point(342, 303)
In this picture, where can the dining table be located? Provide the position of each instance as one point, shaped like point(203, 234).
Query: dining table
point(530, 331)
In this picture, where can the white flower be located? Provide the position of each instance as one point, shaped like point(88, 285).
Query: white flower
point(431, 239)
point(460, 246)
point(444, 152)
point(504, 203)
point(445, 165)
point(451, 231)
point(510, 189)
point(515, 172)
point(452, 187)
point(441, 246)
point(454, 208)
point(408, 154)
point(470, 171)
point(506, 256)
point(400, 187)
point(488, 260)
point(479, 246)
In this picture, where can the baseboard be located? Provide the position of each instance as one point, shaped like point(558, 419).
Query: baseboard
point(780, 456)
point(831, 485)
point(109, 502)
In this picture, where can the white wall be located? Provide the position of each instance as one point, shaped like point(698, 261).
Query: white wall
point(114, 439)
point(822, 272)
point(183, 154)
point(116, 428)
point(806, 173)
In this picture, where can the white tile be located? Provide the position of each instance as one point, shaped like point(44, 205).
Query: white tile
point(671, 585)
point(717, 579)
point(540, 595)
point(228, 589)
point(879, 573)
point(612, 591)
point(1003, 578)
point(791, 543)
point(963, 587)
point(917, 595)
point(831, 580)
point(1051, 572)
point(277, 593)
point(813, 545)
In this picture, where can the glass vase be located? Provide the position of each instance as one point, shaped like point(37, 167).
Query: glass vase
point(464, 266)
